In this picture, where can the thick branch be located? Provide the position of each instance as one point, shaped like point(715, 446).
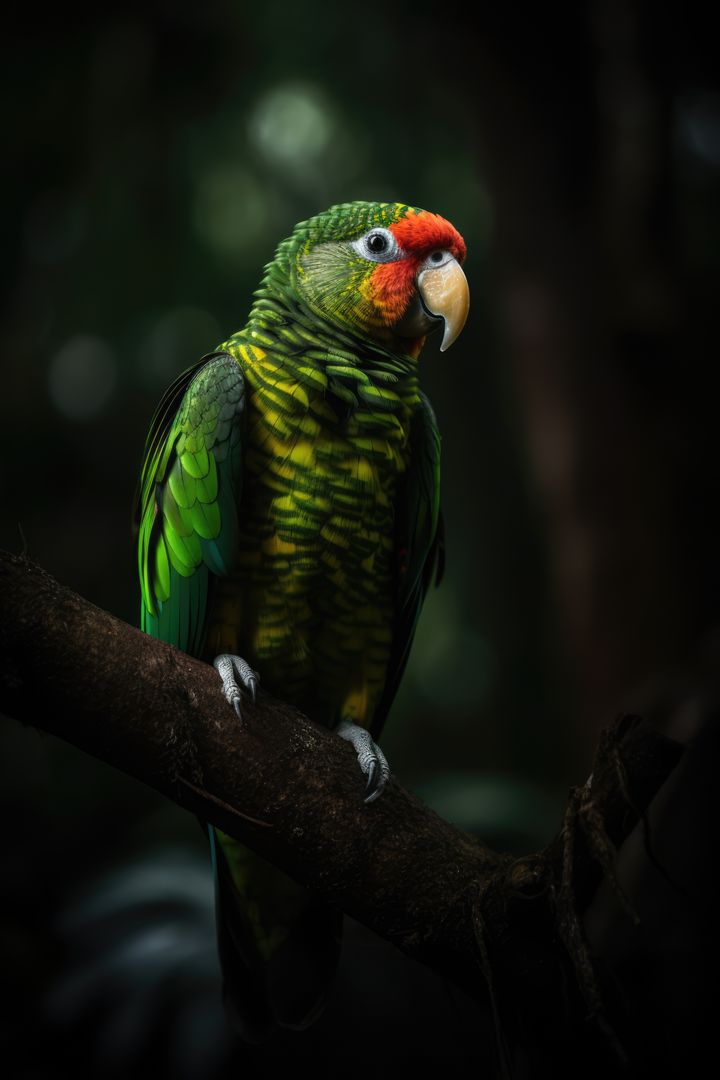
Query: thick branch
point(291, 790)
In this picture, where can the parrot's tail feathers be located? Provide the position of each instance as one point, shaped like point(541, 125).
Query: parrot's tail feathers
point(276, 980)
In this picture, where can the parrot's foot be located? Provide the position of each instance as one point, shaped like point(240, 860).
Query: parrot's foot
point(370, 757)
point(233, 670)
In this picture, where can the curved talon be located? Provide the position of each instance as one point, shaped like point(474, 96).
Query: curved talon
point(370, 757)
point(236, 675)
point(374, 794)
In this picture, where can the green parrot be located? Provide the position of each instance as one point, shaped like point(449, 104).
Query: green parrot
point(289, 527)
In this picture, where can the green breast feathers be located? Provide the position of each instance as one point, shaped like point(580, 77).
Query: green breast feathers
point(311, 596)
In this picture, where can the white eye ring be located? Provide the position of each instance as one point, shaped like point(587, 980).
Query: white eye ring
point(377, 245)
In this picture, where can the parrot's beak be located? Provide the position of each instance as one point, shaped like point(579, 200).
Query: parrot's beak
point(445, 295)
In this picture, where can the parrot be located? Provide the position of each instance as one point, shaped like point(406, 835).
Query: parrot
point(288, 529)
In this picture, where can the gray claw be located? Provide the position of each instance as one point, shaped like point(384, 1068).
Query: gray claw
point(370, 757)
point(374, 790)
point(236, 675)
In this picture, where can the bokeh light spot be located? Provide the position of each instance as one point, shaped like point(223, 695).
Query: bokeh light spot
point(292, 126)
point(232, 210)
point(457, 666)
point(82, 377)
point(493, 806)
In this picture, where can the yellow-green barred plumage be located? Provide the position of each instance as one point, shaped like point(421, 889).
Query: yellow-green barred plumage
point(310, 602)
point(288, 513)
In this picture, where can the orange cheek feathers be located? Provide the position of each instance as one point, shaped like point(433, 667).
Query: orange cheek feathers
point(390, 288)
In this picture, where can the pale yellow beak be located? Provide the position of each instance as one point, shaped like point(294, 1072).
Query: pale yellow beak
point(445, 294)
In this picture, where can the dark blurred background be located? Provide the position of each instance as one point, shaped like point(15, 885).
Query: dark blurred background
point(154, 155)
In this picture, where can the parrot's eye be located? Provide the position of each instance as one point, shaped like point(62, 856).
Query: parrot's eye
point(437, 258)
point(379, 245)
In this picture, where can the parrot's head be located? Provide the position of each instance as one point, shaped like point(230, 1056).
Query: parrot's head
point(386, 271)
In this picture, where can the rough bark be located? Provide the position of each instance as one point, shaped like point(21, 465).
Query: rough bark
point(292, 791)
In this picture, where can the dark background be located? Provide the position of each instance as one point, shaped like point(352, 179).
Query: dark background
point(154, 155)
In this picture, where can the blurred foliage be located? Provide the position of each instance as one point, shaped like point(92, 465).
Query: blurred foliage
point(155, 155)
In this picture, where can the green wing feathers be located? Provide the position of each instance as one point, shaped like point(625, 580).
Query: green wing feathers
point(187, 508)
point(418, 545)
point(419, 509)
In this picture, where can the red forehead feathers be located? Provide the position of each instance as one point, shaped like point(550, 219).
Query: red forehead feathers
point(423, 232)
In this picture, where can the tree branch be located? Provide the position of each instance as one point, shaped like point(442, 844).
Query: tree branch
point(292, 791)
